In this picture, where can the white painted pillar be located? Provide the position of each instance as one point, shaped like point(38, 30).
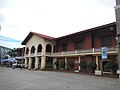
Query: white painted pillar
point(65, 62)
point(43, 57)
point(30, 62)
point(54, 60)
point(97, 62)
point(36, 62)
point(119, 79)
point(26, 62)
point(79, 62)
point(43, 62)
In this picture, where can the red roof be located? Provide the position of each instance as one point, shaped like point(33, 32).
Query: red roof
point(89, 30)
point(52, 38)
point(43, 36)
point(37, 34)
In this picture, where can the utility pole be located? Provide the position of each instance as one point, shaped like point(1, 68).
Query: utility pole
point(117, 10)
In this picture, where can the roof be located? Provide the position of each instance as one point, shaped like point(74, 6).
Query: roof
point(52, 38)
point(89, 30)
point(5, 47)
point(37, 34)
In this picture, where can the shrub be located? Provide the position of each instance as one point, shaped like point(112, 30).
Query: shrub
point(83, 64)
point(56, 63)
point(62, 64)
point(92, 65)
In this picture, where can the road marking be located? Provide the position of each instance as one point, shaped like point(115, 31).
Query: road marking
point(10, 82)
point(25, 86)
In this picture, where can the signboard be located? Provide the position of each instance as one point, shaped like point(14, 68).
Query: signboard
point(104, 53)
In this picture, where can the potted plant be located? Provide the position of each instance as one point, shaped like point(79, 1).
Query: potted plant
point(92, 66)
point(83, 65)
point(62, 64)
point(57, 64)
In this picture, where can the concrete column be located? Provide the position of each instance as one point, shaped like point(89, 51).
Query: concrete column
point(30, 62)
point(52, 48)
point(97, 62)
point(79, 62)
point(117, 10)
point(36, 62)
point(26, 60)
point(65, 62)
point(43, 62)
point(119, 79)
point(54, 60)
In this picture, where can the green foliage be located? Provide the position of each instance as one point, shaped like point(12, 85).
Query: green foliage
point(5, 57)
point(92, 65)
point(15, 52)
point(110, 65)
point(62, 64)
point(56, 63)
point(83, 64)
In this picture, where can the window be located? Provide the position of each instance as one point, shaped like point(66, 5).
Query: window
point(106, 41)
point(64, 47)
point(78, 45)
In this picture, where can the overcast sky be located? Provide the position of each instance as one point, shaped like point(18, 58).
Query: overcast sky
point(53, 17)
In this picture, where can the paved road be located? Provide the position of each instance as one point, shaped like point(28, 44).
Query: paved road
point(16, 79)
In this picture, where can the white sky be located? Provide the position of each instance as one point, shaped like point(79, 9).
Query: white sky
point(53, 17)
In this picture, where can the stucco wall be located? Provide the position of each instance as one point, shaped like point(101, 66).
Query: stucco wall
point(35, 41)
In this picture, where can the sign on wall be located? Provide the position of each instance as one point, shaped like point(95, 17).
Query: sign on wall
point(104, 53)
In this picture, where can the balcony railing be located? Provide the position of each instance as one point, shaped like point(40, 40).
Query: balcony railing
point(39, 54)
point(87, 51)
point(75, 52)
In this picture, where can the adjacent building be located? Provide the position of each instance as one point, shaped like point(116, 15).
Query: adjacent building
point(42, 51)
point(117, 10)
point(4, 50)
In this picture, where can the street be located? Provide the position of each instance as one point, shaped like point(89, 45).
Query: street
point(17, 79)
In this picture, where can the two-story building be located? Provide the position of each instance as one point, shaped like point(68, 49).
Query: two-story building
point(86, 45)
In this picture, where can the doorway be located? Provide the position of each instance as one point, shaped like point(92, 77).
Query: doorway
point(103, 66)
point(33, 63)
point(49, 62)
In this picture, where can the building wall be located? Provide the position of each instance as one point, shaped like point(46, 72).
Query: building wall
point(71, 45)
point(117, 10)
point(97, 36)
point(35, 41)
point(87, 41)
point(117, 2)
point(90, 39)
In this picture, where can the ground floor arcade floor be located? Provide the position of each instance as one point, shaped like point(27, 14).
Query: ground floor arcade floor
point(70, 62)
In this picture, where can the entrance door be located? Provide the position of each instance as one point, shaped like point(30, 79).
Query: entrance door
point(49, 62)
point(33, 63)
point(39, 63)
point(103, 66)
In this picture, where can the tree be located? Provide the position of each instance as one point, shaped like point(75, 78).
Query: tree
point(16, 52)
